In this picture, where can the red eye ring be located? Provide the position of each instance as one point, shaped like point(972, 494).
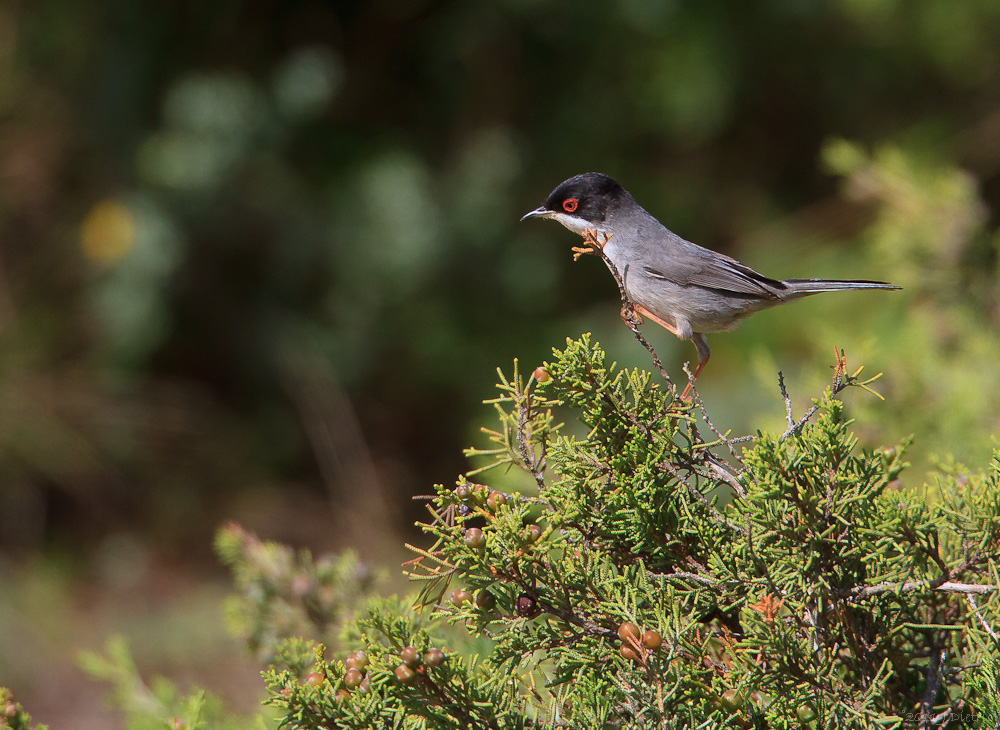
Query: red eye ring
point(569, 205)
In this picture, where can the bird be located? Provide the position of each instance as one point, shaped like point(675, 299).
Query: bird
point(687, 289)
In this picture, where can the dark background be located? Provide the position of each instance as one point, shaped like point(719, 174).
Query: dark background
point(260, 260)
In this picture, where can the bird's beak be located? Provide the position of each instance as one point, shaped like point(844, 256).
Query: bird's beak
point(538, 213)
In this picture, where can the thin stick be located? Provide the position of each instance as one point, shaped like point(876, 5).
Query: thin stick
point(971, 600)
point(788, 401)
point(912, 586)
point(629, 316)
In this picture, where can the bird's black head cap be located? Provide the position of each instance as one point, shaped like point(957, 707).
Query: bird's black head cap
point(590, 196)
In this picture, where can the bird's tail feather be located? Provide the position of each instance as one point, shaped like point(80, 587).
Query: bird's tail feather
point(815, 286)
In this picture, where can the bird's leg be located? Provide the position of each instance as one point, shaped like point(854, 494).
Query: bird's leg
point(668, 327)
point(701, 345)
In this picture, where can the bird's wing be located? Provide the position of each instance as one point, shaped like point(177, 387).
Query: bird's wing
point(688, 264)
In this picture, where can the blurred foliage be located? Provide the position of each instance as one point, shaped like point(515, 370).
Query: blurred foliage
point(158, 704)
point(248, 250)
point(12, 715)
point(281, 595)
point(196, 200)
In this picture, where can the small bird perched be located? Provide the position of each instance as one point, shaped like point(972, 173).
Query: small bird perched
point(681, 286)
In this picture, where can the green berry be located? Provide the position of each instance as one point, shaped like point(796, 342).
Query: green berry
point(410, 656)
point(731, 700)
point(460, 596)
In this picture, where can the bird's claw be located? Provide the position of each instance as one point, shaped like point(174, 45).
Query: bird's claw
point(591, 243)
point(631, 317)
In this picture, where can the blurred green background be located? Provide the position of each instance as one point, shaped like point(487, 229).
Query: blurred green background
point(259, 261)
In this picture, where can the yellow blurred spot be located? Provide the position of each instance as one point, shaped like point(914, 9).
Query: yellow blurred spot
point(107, 232)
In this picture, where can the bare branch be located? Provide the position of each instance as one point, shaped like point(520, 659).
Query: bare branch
point(933, 683)
point(788, 401)
point(728, 477)
point(971, 600)
point(914, 586)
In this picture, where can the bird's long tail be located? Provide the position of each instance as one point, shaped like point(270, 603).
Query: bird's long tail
point(804, 287)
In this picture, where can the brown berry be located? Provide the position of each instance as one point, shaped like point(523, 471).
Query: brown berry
point(485, 599)
point(405, 675)
point(352, 678)
point(460, 596)
point(496, 499)
point(526, 606)
point(314, 679)
point(434, 657)
point(629, 653)
point(628, 632)
point(342, 694)
point(302, 586)
point(10, 710)
point(357, 660)
point(532, 533)
point(410, 656)
point(463, 491)
point(475, 538)
point(365, 687)
point(542, 375)
point(652, 640)
point(179, 723)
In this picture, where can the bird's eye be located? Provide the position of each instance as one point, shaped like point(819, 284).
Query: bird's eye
point(569, 205)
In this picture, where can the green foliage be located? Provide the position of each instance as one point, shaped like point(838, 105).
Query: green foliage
point(650, 578)
point(159, 704)
point(460, 692)
point(794, 584)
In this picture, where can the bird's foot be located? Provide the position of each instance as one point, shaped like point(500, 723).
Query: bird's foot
point(591, 243)
point(631, 317)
